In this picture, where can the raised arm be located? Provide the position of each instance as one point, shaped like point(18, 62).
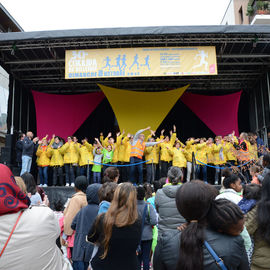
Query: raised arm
point(136, 136)
point(153, 143)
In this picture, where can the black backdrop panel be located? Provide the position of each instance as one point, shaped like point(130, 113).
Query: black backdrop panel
point(102, 119)
point(187, 123)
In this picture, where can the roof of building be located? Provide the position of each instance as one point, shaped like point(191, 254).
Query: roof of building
point(7, 22)
point(38, 58)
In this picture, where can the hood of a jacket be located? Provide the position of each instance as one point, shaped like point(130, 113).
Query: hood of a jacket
point(56, 145)
point(170, 190)
point(92, 193)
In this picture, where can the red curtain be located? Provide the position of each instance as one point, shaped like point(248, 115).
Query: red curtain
point(62, 115)
point(219, 113)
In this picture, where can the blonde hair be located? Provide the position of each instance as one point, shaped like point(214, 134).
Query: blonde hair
point(122, 212)
point(21, 184)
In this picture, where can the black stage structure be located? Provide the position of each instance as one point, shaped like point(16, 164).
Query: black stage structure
point(36, 61)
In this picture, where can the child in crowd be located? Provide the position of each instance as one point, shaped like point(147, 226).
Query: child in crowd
point(111, 174)
point(251, 195)
point(226, 217)
point(232, 186)
point(31, 188)
point(254, 171)
point(105, 195)
point(266, 170)
point(148, 191)
point(157, 185)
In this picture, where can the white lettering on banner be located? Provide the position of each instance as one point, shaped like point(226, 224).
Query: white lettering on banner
point(81, 64)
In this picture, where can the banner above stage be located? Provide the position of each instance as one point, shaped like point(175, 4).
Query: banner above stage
point(140, 62)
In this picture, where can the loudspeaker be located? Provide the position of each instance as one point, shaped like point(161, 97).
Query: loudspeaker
point(10, 153)
point(6, 155)
point(10, 140)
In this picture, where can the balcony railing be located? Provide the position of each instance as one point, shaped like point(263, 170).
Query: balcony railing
point(258, 7)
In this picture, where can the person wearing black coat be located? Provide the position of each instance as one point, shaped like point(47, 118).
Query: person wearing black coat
point(217, 223)
point(82, 223)
point(19, 149)
point(229, 248)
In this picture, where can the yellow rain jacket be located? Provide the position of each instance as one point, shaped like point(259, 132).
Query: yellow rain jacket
point(56, 156)
point(190, 147)
point(166, 147)
point(86, 154)
point(116, 146)
point(43, 154)
point(219, 157)
point(210, 154)
point(124, 150)
point(253, 151)
point(179, 159)
point(151, 153)
point(229, 152)
point(201, 153)
point(70, 152)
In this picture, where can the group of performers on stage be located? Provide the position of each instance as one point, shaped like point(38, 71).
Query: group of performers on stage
point(129, 153)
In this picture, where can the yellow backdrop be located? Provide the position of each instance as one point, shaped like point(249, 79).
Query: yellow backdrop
point(136, 110)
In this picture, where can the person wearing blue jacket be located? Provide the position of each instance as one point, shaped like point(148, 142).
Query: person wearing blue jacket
point(147, 233)
point(82, 223)
point(105, 195)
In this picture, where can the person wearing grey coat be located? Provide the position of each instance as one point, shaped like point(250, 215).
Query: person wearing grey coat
point(169, 217)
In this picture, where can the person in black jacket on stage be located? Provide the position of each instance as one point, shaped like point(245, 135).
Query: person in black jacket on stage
point(28, 150)
point(19, 149)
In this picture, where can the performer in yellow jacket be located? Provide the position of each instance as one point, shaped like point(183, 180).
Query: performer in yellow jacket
point(124, 157)
point(86, 158)
point(188, 152)
point(165, 147)
point(219, 158)
point(151, 154)
point(179, 159)
point(57, 161)
point(43, 161)
point(201, 159)
point(70, 151)
point(230, 152)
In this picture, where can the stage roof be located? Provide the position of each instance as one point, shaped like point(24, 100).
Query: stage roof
point(37, 59)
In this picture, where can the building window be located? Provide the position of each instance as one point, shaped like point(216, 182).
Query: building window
point(240, 13)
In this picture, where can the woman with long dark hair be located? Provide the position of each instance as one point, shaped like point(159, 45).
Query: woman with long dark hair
point(169, 218)
point(258, 226)
point(186, 250)
point(117, 232)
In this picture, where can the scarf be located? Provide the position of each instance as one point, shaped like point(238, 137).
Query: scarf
point(12, 199)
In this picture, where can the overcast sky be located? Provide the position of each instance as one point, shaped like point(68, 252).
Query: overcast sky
point(34, 15)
